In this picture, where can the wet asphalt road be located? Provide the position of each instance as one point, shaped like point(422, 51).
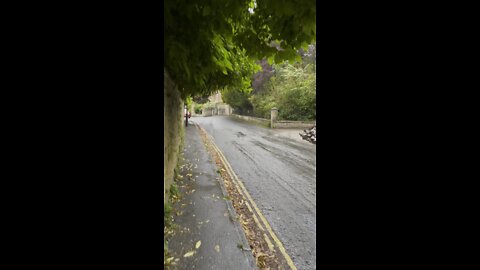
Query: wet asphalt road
point(279, 173)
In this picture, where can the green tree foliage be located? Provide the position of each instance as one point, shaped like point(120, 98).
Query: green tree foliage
point(263, 103)
point(309, 56)
point(212, 44)
point(292, 90)
point(198, 108)
point(200, 99)
point(260, 78)
point(237, 99)
point(188, 101)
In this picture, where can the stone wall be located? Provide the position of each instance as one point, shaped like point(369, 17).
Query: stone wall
point(173, 130)
point(224, 109)
point(265, 122)
point(276, 123)
point(218, 109)
point(294, 124)
point(208, 111)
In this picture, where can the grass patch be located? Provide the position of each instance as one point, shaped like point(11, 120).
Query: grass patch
point(174, 191)
point(167, 215)
point(165, 251)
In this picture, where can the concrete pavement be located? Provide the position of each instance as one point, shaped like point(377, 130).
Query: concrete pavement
point(207, 235)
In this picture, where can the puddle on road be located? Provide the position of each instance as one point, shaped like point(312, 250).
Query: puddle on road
point(240, 134)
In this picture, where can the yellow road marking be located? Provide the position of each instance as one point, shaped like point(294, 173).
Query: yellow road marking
point(269, 243)
point(249, 207)
point(257, 210)
point(258, 222)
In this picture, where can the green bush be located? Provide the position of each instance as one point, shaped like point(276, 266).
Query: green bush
point(239, 100)
point(198, 108)
point(292, 91)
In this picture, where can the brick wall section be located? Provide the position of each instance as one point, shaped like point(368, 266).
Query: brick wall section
point(173, 131)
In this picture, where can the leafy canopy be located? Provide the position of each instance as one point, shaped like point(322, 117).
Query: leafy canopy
point(212, 44)
point(292, 90)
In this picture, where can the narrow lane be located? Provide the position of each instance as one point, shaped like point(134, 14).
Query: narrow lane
point(280, 175)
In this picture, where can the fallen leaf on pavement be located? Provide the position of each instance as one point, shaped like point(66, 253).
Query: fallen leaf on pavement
point(189, 254)
point(198, 244)
point(217, 248)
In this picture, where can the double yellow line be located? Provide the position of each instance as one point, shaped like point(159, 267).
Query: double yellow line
point(243, 191)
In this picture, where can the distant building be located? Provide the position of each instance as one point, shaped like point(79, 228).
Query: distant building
point(219, 107)
point(216, 98)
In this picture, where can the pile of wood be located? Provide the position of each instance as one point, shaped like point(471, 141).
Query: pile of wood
point(310, 135)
